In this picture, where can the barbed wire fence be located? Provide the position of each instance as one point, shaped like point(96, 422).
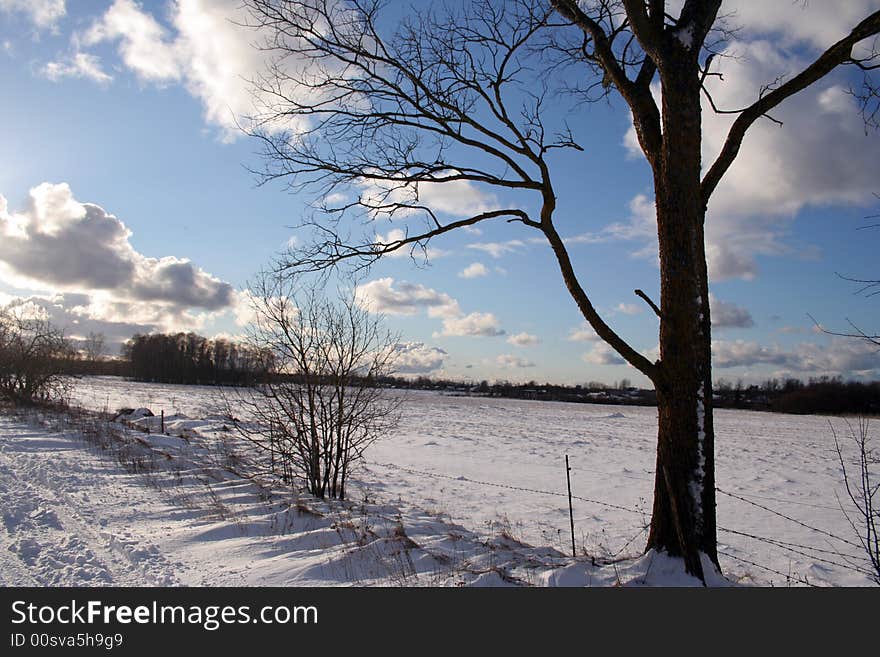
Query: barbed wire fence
point(830, 556)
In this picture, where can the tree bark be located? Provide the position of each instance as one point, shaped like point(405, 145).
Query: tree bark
point(683, 521)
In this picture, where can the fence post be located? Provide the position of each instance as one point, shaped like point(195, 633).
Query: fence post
point(570, 510)
point(162, 413)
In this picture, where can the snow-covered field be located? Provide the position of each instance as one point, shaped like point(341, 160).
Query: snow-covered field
point(469, 491)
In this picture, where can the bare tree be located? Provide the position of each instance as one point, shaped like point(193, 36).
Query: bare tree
point(457, 95)
point(319, 404)
point(34, 357)
point(94, 347)
point(862, 489)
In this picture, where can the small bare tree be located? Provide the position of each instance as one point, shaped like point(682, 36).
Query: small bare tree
point(862, 488)
point(34, 357)
point(318, 404)
point(94, 347)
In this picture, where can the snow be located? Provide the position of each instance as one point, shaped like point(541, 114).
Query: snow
point(470, 491)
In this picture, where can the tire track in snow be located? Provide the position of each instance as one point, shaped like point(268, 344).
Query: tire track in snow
point(51, 533)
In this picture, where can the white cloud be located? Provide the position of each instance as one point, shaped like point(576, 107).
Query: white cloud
point(728, 315)
point(475, 324)
point(202, 45)
point(44, 14)
point(456, 198)
point(58, 244)
point(243, 309)
point(523, 340)
point(509, 362)
point(79, 65)
point(819, 156)
point(583, 333)
point(384, 296)
point(474, 270)
point(497, 249)
point(415, 250)
point(144, 44)
point(393, 236)
point(417, 358)
point(603, 354)
point(81, 314)
point(843, 356)
point(817, 24)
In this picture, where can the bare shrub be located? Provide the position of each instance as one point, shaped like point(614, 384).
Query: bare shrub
point(34, 357)
point(319, 404)
point(862, 482)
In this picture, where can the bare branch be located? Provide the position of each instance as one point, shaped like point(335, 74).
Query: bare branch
point(857, 332)
point(633, 357)
point(647, 299)
point(839, 53)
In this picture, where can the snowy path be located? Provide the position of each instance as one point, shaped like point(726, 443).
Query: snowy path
point(50, 488)
point(73, 516)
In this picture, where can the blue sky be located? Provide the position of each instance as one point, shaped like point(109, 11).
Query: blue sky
point(127, 205)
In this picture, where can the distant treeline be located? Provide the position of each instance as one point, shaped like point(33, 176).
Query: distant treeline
point(594, 392)
point(818, 395)
point(189, 358)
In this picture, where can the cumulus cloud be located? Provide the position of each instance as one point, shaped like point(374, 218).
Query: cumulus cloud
point(383, 295)
point(842, 357)
point(474, 270)
point(60, 244)
point(583, 333)
point(603, 354)
point(509, 362)
point(728, 315)
point(819, 156)
point(79, 316)
point(417, 358)
point(202, 46)
point(415, 250)
point(474, 324)
point(144, 45)
point(523, 340)
point(244, 308)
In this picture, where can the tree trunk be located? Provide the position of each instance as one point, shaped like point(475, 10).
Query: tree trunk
point(683, 520)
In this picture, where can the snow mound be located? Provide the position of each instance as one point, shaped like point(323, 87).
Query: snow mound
point(648, 570)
